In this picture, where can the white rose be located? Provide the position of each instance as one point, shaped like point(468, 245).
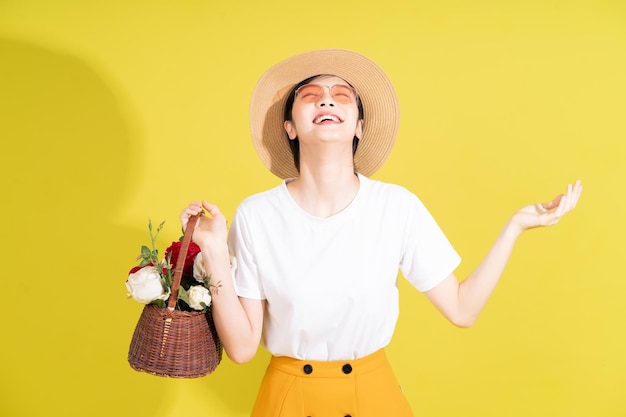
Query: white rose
point(198, 294)
point(145, 285)
point(199, 272)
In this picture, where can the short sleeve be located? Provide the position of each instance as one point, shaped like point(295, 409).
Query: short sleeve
point(245, 277)
point(428, 257)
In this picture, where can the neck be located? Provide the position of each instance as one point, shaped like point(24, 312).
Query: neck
point(326, 185)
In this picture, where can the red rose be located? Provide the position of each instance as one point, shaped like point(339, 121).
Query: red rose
point(191, 254)
point(137, 268)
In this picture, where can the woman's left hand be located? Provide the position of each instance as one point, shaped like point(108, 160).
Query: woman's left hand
point(547, 214)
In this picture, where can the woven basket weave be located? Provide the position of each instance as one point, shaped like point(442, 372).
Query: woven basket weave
point(173, 343)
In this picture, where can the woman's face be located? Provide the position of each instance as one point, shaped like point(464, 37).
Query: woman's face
point(329, 113)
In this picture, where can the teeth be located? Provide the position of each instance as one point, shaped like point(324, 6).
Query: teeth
point(325, 118)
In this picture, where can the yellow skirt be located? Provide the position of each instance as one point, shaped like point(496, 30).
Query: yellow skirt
point(364, 387)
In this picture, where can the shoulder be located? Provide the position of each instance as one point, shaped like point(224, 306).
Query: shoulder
point(394, 200)
point(263, 198)
point(389, 192)
point(262, 204)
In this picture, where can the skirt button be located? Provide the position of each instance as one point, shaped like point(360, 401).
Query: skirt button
point(307, 369)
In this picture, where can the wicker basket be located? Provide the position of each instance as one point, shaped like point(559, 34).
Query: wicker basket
point(173, 343)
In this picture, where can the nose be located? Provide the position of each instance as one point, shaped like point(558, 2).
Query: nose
point(326, 99)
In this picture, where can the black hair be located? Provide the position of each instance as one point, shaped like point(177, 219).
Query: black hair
point(294, 144)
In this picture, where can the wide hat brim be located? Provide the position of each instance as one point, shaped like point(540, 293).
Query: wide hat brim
point(380, 103)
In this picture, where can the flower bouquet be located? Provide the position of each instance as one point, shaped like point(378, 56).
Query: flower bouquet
point(151, 281)
point(175, 335)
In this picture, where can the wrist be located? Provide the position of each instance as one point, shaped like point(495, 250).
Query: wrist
point(512, 228)
point(215, 251)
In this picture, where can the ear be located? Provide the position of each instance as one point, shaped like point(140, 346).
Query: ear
point(359, 129)
point(290, 129)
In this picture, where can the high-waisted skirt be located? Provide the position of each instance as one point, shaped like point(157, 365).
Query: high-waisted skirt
point(364, 387)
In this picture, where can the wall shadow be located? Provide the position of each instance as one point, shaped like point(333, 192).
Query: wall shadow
point(67, 166)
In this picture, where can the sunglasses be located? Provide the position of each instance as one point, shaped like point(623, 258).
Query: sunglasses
point(341, 93)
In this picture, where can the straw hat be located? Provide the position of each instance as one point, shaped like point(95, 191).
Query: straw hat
point(378, 96)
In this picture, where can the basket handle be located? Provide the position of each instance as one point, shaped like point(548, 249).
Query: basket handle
point(180, 262)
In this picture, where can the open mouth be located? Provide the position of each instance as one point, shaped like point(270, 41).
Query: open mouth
point(327, 118)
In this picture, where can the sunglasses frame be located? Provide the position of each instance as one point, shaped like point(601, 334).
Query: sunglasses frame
point(330, 91)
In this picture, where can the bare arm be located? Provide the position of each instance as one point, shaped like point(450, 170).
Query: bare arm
point(461, 303)
point(239, 321)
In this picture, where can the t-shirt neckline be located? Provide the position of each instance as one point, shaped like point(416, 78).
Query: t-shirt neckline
point(353, 205)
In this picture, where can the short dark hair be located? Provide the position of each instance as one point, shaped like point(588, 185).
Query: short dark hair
point(294, 144)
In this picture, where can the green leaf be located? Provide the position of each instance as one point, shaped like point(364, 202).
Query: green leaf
point(145, 251)
point(167, 277)
point(182, 295)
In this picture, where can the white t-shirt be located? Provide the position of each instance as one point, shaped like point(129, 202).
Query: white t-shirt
point(330, 284)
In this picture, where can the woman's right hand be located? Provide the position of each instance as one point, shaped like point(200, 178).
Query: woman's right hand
point(239, 321)
point(210, 229)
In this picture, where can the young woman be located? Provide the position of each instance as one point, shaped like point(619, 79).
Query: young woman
point(315, 260)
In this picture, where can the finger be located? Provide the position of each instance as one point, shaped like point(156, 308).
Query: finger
point(566, 198)
point(572, 198)
point(578, 188)
point(188, 212)
point(196, 206)
point(193, 207)
point(191, 210)
point(211, 208)
point(562, 208)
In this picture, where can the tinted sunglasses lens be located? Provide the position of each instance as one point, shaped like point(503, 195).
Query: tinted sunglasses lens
point(342, 94)
point(310, 92)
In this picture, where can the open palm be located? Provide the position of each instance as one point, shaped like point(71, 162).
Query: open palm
point(547, 214)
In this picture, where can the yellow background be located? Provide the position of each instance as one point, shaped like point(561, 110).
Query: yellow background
point(113, 112)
